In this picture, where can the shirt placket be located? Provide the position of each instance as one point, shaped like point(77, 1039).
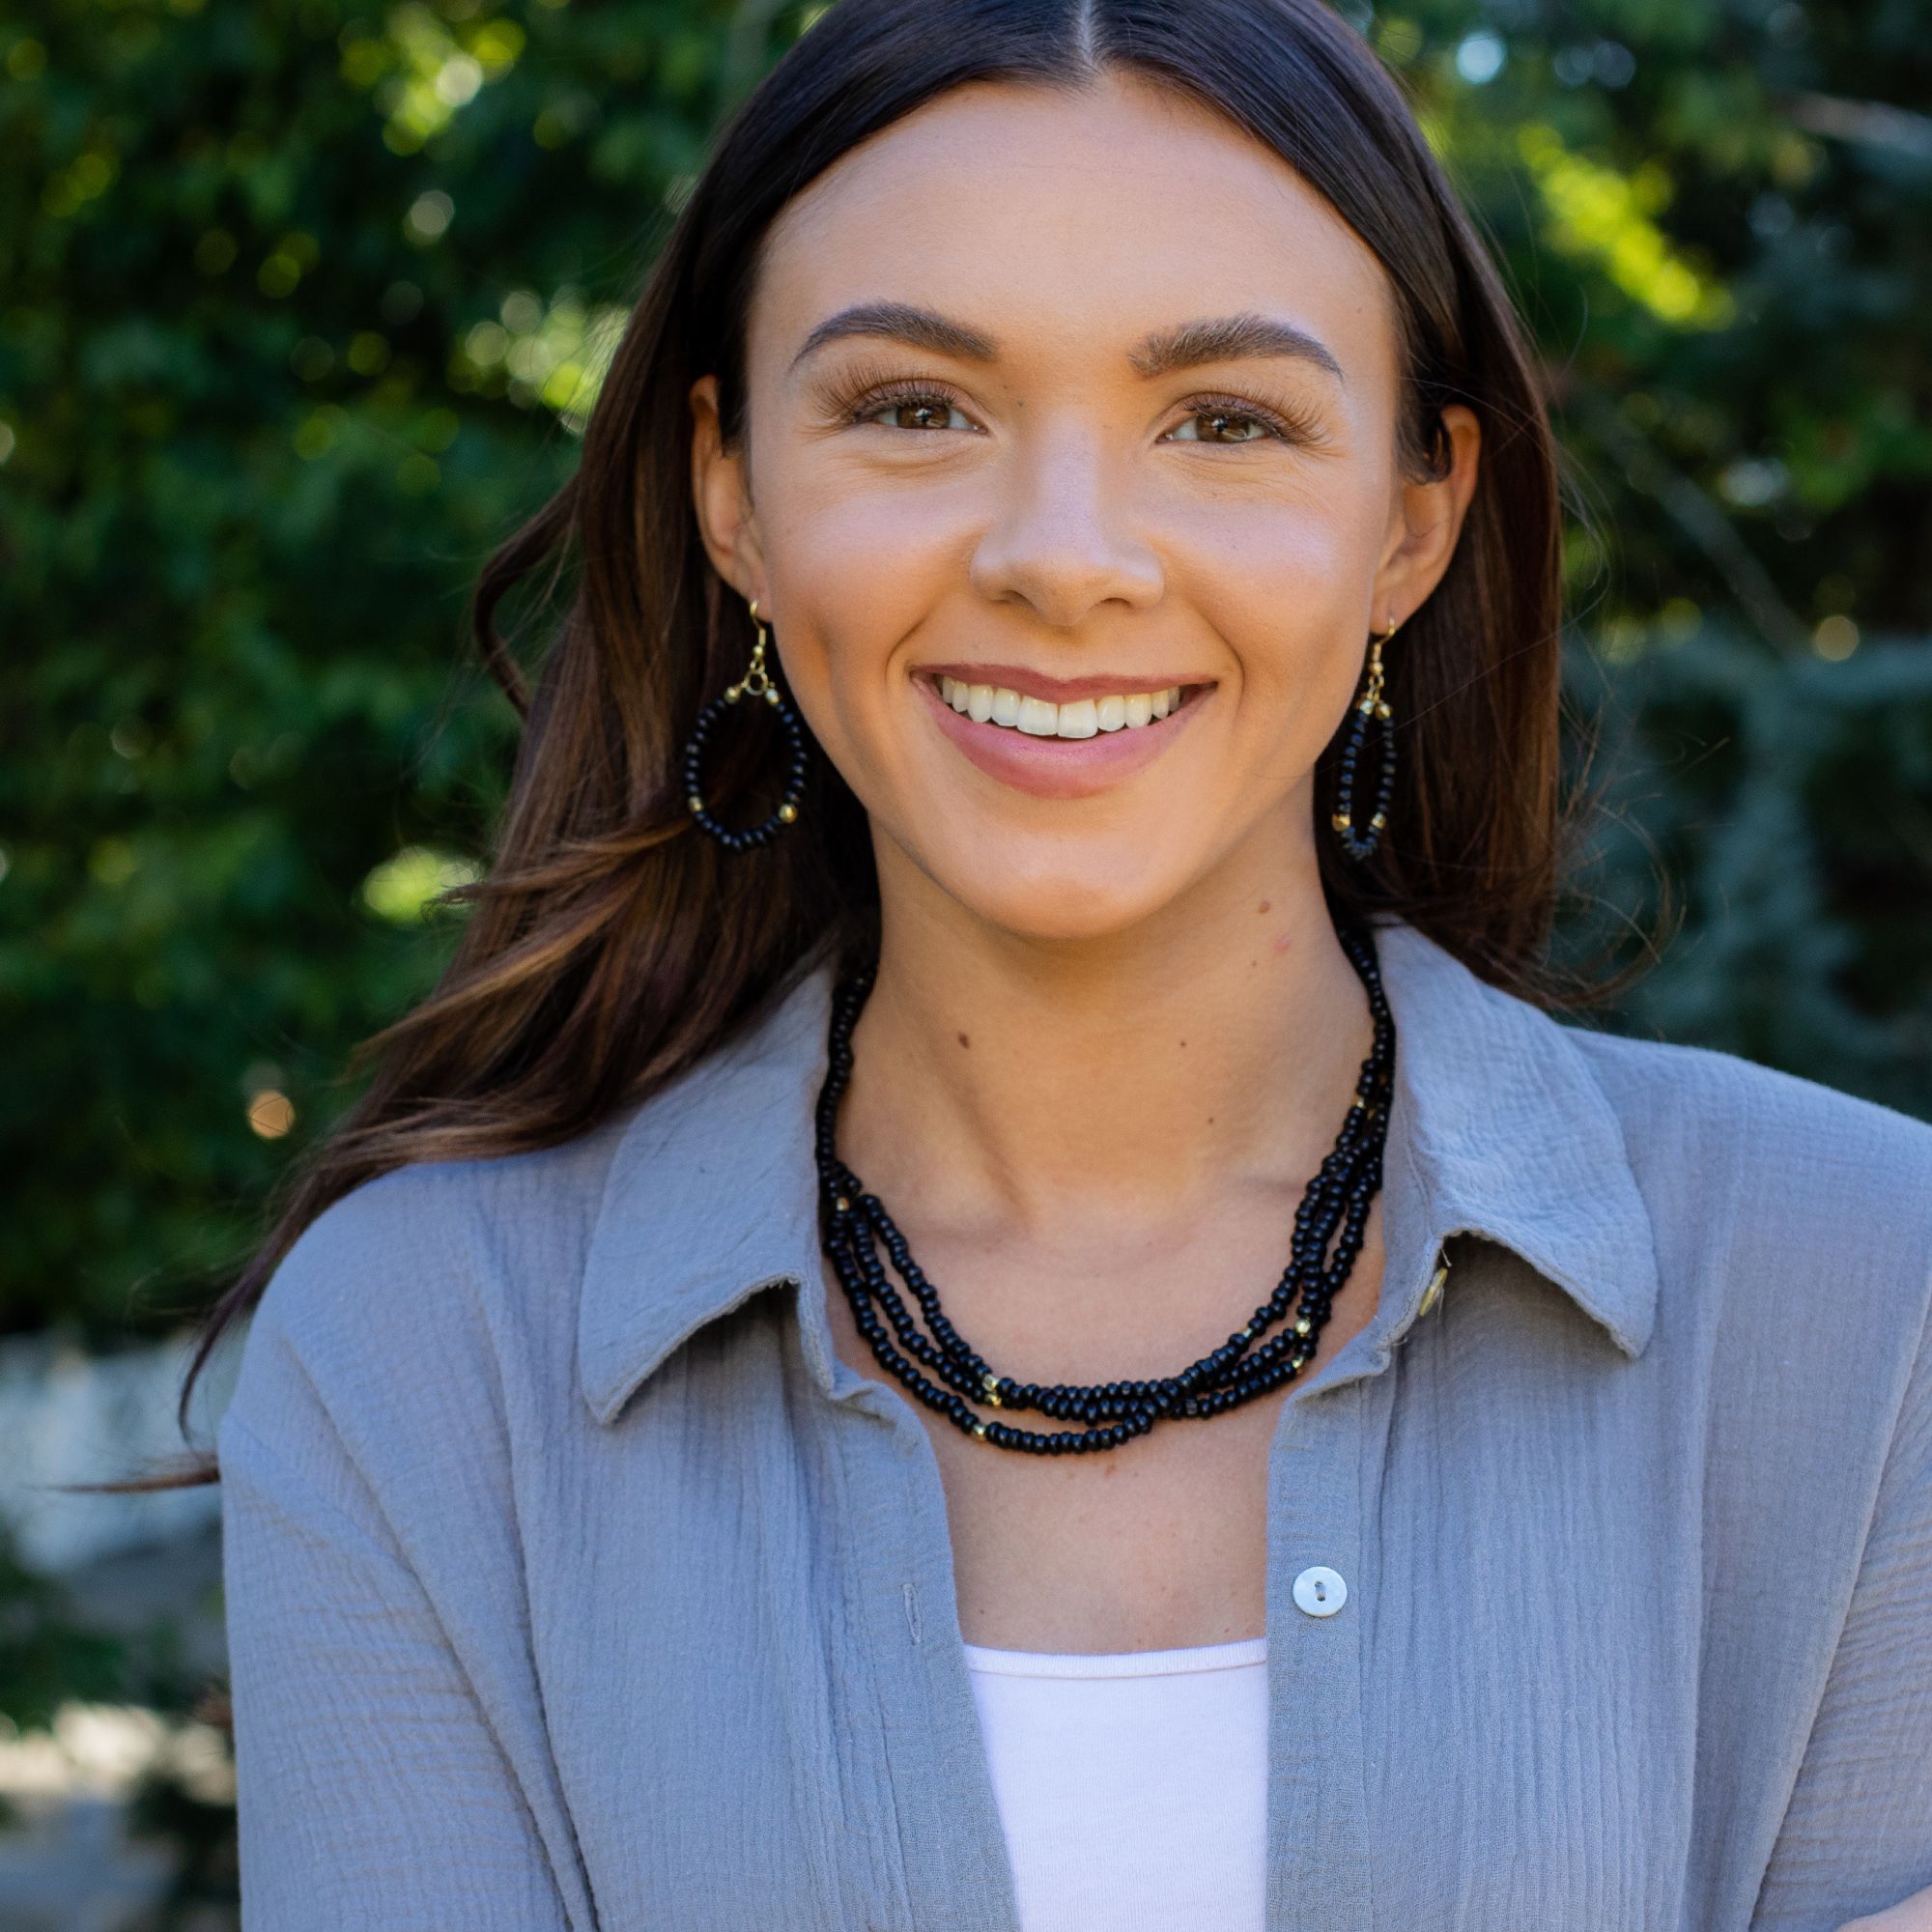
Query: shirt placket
point(1321, 1855)
point(954, 1870)
point(1319, 1863)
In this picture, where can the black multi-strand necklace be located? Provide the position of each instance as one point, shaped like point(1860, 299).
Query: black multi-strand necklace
point(1114, 1412)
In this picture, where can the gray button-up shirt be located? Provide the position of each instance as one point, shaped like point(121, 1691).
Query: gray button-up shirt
point(574, 1581)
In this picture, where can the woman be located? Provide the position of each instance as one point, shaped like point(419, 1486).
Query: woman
point(971, 982)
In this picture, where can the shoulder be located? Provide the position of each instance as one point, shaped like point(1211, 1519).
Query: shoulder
point(441, 1228)
point(1771, 1132)
point(1800, 1197)
point(433, 1286)
point(466, 1282)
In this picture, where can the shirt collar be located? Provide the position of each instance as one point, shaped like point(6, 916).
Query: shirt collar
point(1498, 1126)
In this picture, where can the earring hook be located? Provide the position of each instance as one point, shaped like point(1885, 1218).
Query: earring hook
point(756, 681)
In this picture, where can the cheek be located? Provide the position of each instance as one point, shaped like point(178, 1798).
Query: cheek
point(838, 528)
point(1279, 579)
point(857, 565)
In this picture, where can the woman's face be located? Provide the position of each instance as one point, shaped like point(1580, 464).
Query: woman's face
point(1073, 398)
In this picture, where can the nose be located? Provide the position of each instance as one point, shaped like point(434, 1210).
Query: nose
point(1061, 540)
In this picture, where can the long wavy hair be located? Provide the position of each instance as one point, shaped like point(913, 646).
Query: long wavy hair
point(611, 944)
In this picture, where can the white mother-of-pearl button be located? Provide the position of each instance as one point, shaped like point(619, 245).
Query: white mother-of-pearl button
point(1320, 1591)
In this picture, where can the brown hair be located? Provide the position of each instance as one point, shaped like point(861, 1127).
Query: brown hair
point(612, 944)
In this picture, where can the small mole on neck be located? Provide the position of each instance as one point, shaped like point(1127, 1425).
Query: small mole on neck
point(1263, 907)
point(964, 1041)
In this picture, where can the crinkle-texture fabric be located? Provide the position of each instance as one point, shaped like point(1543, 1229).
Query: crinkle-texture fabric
point(573, 1582)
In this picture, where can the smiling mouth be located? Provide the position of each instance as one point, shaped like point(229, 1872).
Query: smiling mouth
point(1013, 713)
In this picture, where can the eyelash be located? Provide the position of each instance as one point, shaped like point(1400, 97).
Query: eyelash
point(870, 396)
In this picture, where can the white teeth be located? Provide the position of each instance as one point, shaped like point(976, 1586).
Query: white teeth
point(987, 703)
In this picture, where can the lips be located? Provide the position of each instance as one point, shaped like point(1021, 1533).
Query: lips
point(1060, 690)
point(1065, 768)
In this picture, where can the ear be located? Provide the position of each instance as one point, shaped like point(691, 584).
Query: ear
point(1425, 520)
point(721, 494)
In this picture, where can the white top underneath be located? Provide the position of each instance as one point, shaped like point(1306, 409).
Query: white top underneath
point(1132, 1786)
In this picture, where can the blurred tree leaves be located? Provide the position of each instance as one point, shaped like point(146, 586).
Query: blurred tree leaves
point(301, 305)
point(1716, 216)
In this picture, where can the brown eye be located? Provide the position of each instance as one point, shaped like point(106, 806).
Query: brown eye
point(1231, 422)
point(1226, 420)
point(917, 408)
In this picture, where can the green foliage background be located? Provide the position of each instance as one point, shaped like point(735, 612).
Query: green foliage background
point(301, 303)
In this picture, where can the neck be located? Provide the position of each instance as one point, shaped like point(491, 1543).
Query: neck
point(1043, 1089)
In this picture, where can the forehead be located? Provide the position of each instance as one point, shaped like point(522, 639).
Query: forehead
point(1069, 220)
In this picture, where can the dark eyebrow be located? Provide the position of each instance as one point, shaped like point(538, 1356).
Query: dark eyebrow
point(901, 322)
point(1227, 338)
point(1218, 339)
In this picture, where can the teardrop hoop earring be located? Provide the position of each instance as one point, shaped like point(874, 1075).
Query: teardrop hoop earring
point(1371, 704)
point(755, 683)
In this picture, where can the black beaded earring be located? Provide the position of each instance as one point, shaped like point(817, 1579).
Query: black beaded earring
point(1370, 705)
point(755, 683)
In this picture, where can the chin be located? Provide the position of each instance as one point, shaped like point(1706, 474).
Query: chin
point(1058, 906)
